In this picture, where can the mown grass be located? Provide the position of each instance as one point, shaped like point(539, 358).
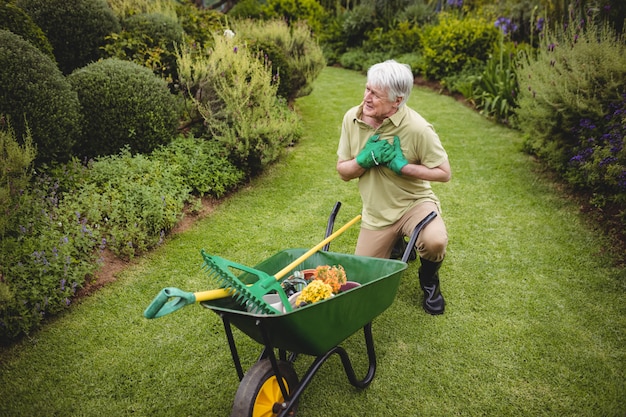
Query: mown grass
point(534, 323)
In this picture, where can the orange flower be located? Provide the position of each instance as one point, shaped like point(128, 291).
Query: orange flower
point(335, 276)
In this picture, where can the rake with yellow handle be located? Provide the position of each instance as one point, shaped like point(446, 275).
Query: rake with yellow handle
point(171, 299)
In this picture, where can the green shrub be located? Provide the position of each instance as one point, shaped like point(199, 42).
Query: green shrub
point(301, 54)
point(279, 65)
point(15, 174)
point(124, 104)
point(199, 25)
point(36, 96)
point(357, 22)
point(76, 29)
point(358, 60)
point(309, 11)
point(576, 74)
point(132, 200)
point(454, 42)
point(571, 109)
point(125, 8)
point(494, 92)
point(599, 161)
point(202, 164)
point(419, 13)
point(233, 92)
point(399, 39)
point(14, 19)
point(47, 251)
point(246, 9)
point(148, 39)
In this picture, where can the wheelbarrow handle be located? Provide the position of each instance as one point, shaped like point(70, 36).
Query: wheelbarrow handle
point(418, 229)
point(167, 301)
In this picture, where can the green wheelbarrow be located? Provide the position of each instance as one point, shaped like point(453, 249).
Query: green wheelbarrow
point(271, 387)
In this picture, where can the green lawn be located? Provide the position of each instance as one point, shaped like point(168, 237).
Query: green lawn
point(534, 325)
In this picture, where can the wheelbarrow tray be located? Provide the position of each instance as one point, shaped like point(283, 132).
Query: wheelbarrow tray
point(316, 328)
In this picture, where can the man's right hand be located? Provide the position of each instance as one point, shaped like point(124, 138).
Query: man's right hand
point(375, 152)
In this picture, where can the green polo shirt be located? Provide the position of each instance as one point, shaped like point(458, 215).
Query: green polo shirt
point(387, 196)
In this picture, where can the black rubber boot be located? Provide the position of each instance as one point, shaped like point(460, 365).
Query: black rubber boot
point(429, 281)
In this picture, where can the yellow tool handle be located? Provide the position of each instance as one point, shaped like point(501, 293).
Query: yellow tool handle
point(221, 293)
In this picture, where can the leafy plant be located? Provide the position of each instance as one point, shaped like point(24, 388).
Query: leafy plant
point(46, 251)
point(398, 39)
point(293, 11)
point(202, 165)
point(15, 174)
point(132, 200)
point(494, 92)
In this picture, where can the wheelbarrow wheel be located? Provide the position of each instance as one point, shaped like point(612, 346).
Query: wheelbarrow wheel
point(259, 394)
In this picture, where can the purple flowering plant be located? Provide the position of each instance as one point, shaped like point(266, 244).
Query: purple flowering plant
point(598, 162)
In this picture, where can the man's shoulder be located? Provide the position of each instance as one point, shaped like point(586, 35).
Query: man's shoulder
point(415, 116)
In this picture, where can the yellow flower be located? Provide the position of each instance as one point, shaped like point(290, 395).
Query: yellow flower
point(315, 291)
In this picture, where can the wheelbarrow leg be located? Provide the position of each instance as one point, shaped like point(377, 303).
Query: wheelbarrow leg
point(347, 364)
point(371, 355)
point(231, 344)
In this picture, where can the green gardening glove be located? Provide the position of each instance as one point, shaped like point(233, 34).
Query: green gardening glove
point(367, 158)
point(398, 161)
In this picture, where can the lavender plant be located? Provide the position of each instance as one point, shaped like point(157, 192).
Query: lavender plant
point(571, 108)
point(599, 161)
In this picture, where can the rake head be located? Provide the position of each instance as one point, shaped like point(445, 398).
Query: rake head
point(251, 296)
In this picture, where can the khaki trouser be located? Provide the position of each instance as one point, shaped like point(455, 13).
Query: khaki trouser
point(431, 243)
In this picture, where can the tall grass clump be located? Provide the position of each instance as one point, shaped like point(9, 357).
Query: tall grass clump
point(233, 92)
point(301, 54)
point(571, 108)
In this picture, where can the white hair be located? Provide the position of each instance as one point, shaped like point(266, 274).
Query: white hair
point(394, 77)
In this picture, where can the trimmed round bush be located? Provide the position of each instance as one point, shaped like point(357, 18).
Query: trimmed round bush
point(36, 96)
point(124, 105)
point(76, 29)
point(16, 20)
